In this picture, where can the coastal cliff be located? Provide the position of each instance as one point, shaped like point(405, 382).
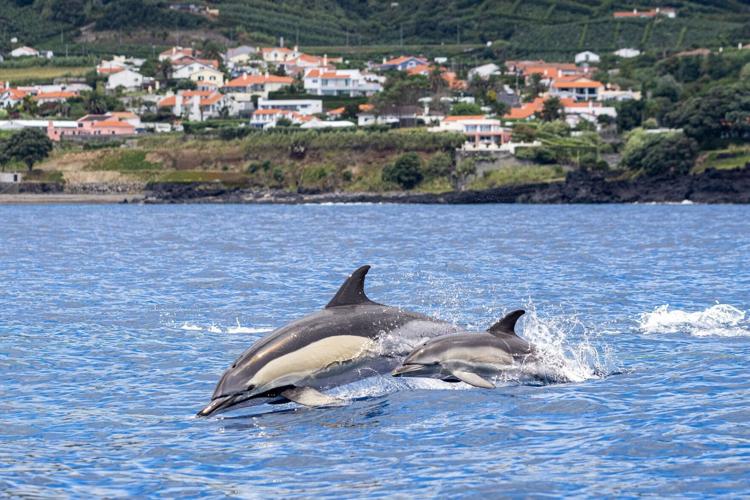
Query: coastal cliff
point(710, 186)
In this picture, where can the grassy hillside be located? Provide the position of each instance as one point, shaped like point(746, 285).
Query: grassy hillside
point(540, 27)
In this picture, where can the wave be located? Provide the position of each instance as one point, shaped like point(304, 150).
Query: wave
point(721, 320)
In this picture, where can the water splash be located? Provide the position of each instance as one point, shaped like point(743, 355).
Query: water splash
point(721, 320)
point(567, 349)
point(214, 328)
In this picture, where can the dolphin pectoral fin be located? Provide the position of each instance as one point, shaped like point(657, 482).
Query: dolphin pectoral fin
point(307, 396)
point(472, 379)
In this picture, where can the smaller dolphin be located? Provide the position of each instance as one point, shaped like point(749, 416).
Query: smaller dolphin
point(471, 357)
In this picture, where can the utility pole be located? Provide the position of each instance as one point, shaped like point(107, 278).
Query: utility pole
point(401, 35)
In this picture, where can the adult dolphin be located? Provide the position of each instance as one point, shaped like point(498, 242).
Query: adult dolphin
point(471, 357)
point(351, 339)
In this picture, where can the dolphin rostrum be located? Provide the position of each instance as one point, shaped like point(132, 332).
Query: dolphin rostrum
point(471, 357)
point(351, 339)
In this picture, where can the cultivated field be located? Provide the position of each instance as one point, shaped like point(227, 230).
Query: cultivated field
point(40, 73)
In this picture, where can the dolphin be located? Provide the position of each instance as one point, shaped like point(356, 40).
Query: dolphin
point(352, 338)
point(471, 357)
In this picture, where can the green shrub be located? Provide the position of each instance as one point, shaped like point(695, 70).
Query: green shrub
point(405, 171)
point(440, 165)
point(660, 154)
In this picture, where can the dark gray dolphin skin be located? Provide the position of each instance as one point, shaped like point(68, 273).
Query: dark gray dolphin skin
point(340, 344)
point(470, 357)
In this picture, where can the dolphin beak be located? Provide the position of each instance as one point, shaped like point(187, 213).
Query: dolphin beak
point(216, 405)
point(406, 369)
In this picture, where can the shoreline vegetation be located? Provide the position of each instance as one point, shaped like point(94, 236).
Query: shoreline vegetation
point(389, 166)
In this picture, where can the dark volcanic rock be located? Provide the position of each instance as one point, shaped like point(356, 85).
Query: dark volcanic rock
point(711, 186)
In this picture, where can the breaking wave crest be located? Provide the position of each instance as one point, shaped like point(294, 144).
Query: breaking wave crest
point(721, 320)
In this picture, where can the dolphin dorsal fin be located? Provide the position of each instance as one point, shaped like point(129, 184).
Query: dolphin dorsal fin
point(507, 325)
point(352, 292)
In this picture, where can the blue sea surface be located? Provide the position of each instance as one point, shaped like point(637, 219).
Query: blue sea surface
point(117, 321)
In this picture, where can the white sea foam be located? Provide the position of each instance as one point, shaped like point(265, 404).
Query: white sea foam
point(246, 329)
point(566, 350)
point(721, 320)
point(214, 328)
point(190, 327)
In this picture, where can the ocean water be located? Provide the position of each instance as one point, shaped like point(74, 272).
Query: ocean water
point(117, 321)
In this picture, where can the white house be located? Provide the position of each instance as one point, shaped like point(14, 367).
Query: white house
point(240, 55)
point(619, 95)
point(196, 105)
point(590, 111)
point(264, 118)
point(484, 71)
point(403, 63)
point(257, 84)
point(279, 54)
point(343, 82)
point(128, 79)
point(479, 131)
point(177, 53)
point(301, 106)
point(580, 88)
point(24, 52)
point(587, 57)
point(627, 53)
point(184, 68)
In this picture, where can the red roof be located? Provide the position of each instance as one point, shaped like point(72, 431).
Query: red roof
point(54, 95)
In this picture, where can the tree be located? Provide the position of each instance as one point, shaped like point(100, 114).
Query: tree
point(466, 109)
point(552, 110)
point(29, 146)
point(351, 111)
point(405, 171)
point(283, 122)
point(399, 91)
point(660, 154)
point(720, 114)
point(629, 114)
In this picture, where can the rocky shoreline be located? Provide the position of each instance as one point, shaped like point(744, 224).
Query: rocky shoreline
point(711, 186)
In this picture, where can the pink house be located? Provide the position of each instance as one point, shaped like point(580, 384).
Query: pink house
point(91, 125)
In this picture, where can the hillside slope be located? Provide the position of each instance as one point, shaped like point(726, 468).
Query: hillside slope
point(539, 27)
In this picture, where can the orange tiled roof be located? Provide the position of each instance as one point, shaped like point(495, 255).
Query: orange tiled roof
point(123, 114)
point(577, 83)
point(212, 99)
point(111, 124)
point(526, 110)
point(54, 95)
point(17, 93)
point(245, 80)
point(458, 118)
